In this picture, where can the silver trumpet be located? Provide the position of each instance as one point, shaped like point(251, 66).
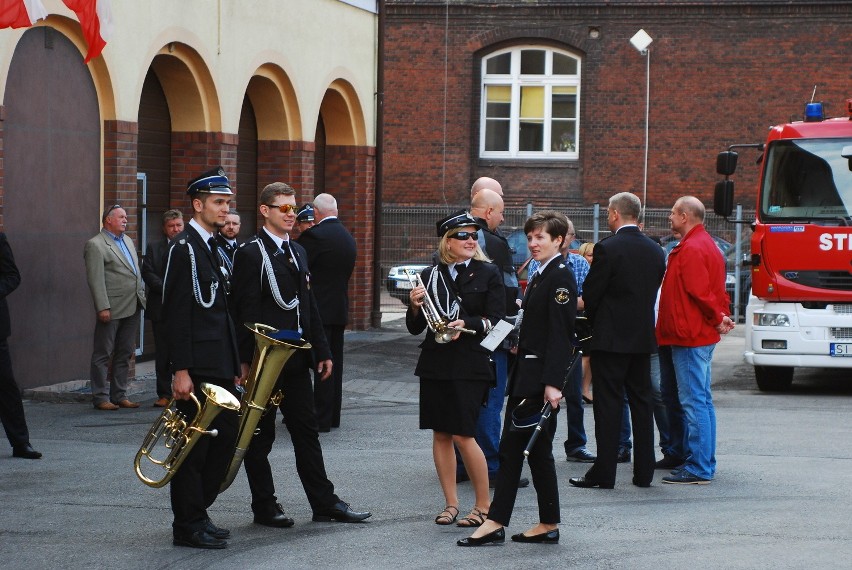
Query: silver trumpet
point(436, 322)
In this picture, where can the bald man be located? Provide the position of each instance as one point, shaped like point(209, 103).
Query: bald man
point(484, 183)
point(487, 208)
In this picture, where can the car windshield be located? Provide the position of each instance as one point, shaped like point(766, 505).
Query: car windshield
point(807, 180)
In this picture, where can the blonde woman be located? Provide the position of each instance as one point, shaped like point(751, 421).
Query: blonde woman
point(456, 372)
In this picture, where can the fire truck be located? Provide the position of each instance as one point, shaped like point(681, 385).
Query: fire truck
point(799, 312)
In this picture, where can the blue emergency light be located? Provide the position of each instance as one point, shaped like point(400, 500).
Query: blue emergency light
point(814, 113)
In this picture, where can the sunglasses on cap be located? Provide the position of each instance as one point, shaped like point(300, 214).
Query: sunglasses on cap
point(283, 208)
point(461, 236)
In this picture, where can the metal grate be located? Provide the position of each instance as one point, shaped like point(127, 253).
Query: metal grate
point(841, 333)
point(845, 309)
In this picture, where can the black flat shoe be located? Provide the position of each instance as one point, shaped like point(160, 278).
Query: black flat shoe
point(549, 537)
point(199, 539)
point(494, 537)
point(588, 400)
point(341, 512)
point(273, 516)
point(586, 483)
point(26, 452)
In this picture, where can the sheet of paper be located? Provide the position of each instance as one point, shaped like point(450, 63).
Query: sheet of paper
point(500, 331)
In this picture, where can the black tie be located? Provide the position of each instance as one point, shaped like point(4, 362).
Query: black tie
point(214, 245)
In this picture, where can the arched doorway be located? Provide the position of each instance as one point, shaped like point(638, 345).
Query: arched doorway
point(51, 203)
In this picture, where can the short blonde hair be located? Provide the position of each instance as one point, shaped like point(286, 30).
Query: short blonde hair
point(586, 248)
point(444, 246)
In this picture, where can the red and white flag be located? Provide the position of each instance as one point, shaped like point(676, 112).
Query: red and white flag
point(21, 13)
point(96, 20)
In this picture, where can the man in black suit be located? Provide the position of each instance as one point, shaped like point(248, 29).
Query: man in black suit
point(331, 257)
point(11, 407)
point(272, 285)
point(619, 295)
point(202, 348)
point(228, 234)
point(153, 270)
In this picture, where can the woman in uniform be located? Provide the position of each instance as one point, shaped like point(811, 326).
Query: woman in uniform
point(465, 291)
point(544, 353)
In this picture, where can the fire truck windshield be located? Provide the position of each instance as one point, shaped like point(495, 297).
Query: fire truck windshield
point(807, 180)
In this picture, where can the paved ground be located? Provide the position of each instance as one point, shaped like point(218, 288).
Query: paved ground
point(781, 498)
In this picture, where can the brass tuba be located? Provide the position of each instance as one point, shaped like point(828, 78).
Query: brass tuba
point(181, 436)
point(270, 356)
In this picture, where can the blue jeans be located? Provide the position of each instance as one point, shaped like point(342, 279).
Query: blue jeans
point(574, 409)
point(489, 425)
point(692, 368)
point(661, 417)
point(624, 437)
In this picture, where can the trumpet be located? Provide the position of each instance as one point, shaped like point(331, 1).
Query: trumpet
point(180, 435)
point(436, 322)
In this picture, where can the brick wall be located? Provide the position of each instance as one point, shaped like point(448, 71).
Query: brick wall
point(719, 75)
point(194, 153)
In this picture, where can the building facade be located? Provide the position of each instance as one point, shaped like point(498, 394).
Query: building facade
point(549, 96)
point(270, 90)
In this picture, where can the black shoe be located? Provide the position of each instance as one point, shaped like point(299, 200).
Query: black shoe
point(686, 478)
point(586, 483)
point(523, 482)
point(581, 455)
point(341, 512)
point(273, 516)
point(549, 537)
point(623, 455)
point(25, 451)
point(668, 462)
point(494, 537)
point(642, 484)
point(199, 539)
point(216, 532)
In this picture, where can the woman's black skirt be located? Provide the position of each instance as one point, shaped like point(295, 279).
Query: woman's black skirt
point(452, 406)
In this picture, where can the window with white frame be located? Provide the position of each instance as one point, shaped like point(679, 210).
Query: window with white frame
point(530, 104)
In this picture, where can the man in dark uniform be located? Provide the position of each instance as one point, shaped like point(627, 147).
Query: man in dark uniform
point(202, 348)
point(619, 295)
point(11, 407)
point(331, 257)
point(271, 285)
point(153, 269)
point(227, 236)
point(487, 208)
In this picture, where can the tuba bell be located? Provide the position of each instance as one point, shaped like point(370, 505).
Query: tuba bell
point(178, 435)
point(270, 356)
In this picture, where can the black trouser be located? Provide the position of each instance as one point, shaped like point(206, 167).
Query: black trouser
point(297, 406)
point(613, 374)
point(11, 407)
point(542, 469)
point(196, 484)
point(161, 359)
point(328, 394)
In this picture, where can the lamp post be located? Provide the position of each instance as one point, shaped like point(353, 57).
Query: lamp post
point(641, 40)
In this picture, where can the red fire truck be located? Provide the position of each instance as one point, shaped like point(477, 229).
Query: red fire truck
point(800, 309)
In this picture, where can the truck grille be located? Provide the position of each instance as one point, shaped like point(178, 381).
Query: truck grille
point(843, 309)
point(837, 280)
point(841, 332)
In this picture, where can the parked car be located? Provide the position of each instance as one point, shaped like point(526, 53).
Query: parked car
point(745, 276)
point(398, 283)
point(668, 242)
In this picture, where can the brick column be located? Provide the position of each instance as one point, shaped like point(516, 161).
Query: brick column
point(194, 153)
point(350, 178)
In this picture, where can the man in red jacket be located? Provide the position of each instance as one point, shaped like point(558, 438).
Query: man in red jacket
point(693, 313)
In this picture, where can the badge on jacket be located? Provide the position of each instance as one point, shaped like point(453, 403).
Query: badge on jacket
point(562, 296)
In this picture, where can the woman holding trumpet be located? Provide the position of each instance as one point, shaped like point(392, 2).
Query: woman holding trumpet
point(544, 354)
point(459, 300)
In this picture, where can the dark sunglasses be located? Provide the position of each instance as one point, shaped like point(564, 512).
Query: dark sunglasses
point(461, 236)
point(283, 208)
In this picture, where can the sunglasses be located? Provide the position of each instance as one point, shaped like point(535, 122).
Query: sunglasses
point(283, 208)
point(461, 236)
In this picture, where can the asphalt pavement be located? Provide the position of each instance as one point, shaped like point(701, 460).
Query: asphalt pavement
point(780, 499)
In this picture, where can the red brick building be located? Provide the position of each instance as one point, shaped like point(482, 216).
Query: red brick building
point(548, 96)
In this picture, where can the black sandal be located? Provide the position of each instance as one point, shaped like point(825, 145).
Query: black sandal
point(475, 518)
point(445, 517)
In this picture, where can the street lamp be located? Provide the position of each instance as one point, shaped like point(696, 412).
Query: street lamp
point(641, 40)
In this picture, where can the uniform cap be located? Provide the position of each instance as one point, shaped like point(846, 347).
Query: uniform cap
point(212, 182)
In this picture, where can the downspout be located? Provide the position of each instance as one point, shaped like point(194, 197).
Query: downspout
point(376, 313)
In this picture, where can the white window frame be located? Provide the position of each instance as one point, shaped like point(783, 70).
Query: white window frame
point(516, 81)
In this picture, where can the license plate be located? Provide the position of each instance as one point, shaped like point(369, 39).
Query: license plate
point(841, 349)
point(404, 285)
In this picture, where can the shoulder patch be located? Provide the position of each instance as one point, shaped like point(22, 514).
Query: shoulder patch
point(562, 296)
